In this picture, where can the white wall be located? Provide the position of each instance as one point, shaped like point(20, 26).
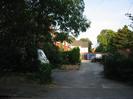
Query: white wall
point(83, 50)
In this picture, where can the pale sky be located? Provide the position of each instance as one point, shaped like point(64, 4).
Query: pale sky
point(105, 14)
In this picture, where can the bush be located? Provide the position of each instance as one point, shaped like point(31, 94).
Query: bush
point(119, 67)
point(53, 54)
point(65, 56)
point(44, 72)
point(14, 60)
point(72, 56)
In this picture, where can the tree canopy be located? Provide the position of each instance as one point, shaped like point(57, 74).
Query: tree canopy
point(109, 40)
point(64, 15)
point(123, 38)
point(22, 22)
point(105, 39)
point(31, 18)
point(131, 18)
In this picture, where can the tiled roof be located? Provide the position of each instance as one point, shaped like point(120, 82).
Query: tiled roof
point(80, 43)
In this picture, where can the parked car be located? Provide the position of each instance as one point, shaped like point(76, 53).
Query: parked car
point(98, 58)
point(91, 56)
point(42, 57)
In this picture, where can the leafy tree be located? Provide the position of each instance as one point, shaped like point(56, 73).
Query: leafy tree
point(131, 18)
point(61, 37)
point(118, 65)
point(105, 40)
point(15, 34)
point(37, 16)
point(22, 22)
point(123, 38)
point(65, 15)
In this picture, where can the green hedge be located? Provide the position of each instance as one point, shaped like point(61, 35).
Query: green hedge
point(71, 57)
point(53, 54)
point(119, 67)
point(44, 72)
point(12, 59)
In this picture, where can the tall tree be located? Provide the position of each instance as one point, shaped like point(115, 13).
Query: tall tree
point(65, 15)
point(131, 18)
point(23, 21)
point(105, 40)
point(123, 38)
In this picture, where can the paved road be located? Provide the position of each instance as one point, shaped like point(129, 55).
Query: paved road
point(86, 83)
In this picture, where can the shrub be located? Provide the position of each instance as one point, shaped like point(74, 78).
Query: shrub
point(44, 72)
point(119, 67)
point(53, 54)
point(65, 56)
point(72, 56)
point(14, 60)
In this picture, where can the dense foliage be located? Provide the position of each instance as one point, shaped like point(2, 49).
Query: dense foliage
point(105, 40)
point(131, 18)
point(53, 54)
point(123, 38)
point(118, 67)
point(44, 73)
point(72, 56)
point(22, 22)
point(118, 63)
